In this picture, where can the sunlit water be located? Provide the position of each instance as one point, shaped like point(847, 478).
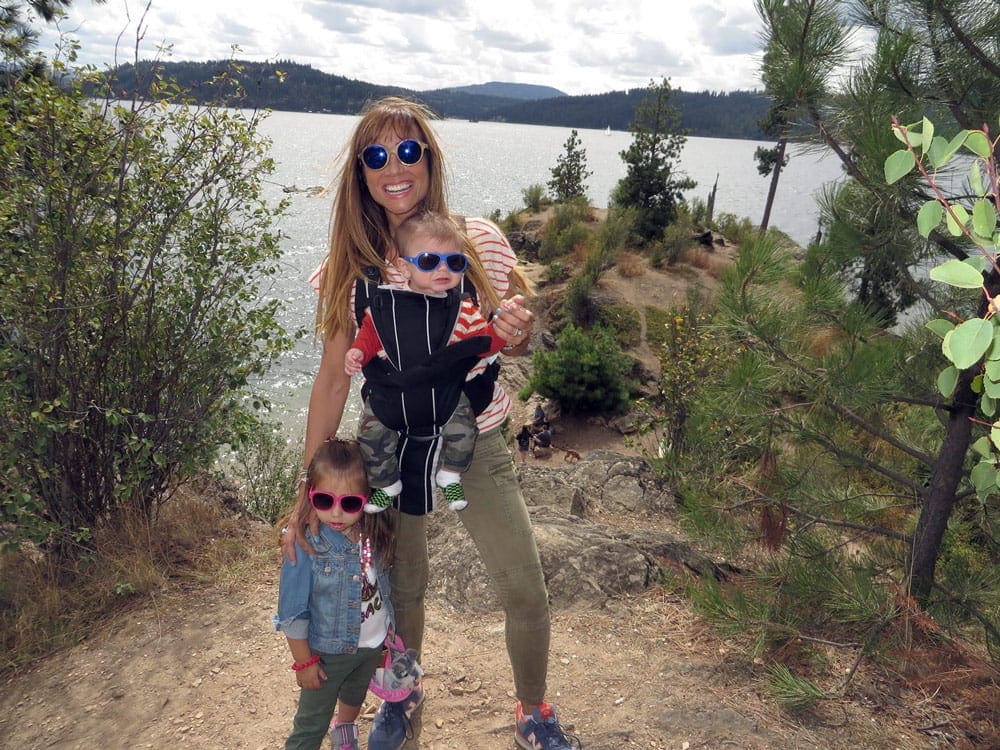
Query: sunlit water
point(489, 165)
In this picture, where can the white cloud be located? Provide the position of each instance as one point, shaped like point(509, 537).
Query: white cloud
point(580, 47)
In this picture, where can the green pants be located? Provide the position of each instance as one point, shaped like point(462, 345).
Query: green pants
point(497, 520)
point(347, 678)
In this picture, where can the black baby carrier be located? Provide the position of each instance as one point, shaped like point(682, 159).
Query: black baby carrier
point(416, 387)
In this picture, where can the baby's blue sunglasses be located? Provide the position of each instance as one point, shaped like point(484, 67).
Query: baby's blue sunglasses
point(409, 152)
point(456, 262)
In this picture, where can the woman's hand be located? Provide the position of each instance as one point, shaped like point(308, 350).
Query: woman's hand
point(291, 531)
point(514, 322)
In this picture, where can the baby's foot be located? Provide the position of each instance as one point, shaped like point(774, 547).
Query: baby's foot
point(455, 495)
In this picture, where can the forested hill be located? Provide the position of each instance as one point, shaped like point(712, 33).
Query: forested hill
point(286, 85)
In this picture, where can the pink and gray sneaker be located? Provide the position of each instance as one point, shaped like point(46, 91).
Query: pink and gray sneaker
point(540, 730)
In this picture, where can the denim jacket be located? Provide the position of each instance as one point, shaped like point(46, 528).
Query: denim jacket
point(319, 596)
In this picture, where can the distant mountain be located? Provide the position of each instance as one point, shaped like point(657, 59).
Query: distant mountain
point(291, 86)
point(507, 90)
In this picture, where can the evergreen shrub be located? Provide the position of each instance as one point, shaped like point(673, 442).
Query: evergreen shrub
point(585, 373)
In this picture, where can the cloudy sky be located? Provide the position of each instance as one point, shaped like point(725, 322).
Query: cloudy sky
point(578, 46)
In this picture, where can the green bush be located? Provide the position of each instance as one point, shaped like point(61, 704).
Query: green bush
point(676, 239)
point(617, 231)
point(565, 231)
point(734, 228)
point(578, 306)
point(556, 272)
point(623, 321)
point(267, 470)
point(558, 243)
point(657, 326)
point(509, 223)
point(698, 210)
point(584, 373)
point(134, 312)
point(534, 197)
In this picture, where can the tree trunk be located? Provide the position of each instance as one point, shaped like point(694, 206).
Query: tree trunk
point(949, 468)
point(710, 208)
point(939, 501)
point(779, 160)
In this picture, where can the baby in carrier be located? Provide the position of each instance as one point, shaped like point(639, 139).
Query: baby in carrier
point(419, 348)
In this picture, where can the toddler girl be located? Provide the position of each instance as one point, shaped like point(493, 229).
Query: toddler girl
point(333, 603)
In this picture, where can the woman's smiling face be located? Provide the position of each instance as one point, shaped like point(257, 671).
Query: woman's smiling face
point(399, 188)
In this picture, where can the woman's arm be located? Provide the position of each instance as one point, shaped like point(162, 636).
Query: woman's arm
point(327, 401)
point(515, 321)
point(328, 397)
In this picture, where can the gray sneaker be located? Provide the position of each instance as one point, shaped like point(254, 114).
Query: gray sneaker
point(344, 736)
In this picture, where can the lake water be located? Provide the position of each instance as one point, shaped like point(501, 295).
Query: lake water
point(488, 166)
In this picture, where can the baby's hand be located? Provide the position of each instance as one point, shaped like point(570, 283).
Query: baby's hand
point(352, 361)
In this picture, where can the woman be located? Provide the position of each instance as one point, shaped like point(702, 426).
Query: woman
point(393, 168)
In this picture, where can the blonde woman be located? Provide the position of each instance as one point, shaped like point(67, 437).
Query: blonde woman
point(393, 167)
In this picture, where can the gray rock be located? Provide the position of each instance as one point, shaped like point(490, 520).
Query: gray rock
point(584, 563)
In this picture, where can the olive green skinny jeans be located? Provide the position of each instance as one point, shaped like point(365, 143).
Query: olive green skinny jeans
point(497, 520)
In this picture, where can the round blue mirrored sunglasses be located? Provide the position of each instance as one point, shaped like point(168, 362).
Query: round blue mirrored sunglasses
point(409, 152)
point(456, 262)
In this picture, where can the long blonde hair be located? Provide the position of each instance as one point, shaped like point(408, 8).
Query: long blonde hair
point(359, 228)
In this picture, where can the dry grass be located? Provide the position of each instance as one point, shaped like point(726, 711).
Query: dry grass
point(707, 260)
point(630, 265)
point(47, 604)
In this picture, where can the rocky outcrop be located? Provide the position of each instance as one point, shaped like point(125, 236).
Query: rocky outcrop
point(584, 560)
point(526, 242)
point(602, 481)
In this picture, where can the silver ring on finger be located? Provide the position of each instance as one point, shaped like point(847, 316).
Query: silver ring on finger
point(518, 331)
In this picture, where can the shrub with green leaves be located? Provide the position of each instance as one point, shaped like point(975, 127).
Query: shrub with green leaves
point(623, 321)
point(509, 223)
point(578, 306)
point(734, 228)
point(534, 197)
point(556, 272)
point(267, 470)
point(565, 231)
point(585, 373)
point(676, 239)
point(135, 248)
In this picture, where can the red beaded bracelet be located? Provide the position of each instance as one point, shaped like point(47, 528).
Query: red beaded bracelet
point(298, 666)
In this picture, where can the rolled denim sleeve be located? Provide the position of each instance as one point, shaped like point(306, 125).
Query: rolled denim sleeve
point(294, 588)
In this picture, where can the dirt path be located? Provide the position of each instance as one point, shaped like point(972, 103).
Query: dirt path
point(203, 669)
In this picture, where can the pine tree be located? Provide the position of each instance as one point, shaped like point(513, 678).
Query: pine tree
point(805, 44)
point(651, 184)
point(837, 430)
point(569, 175)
